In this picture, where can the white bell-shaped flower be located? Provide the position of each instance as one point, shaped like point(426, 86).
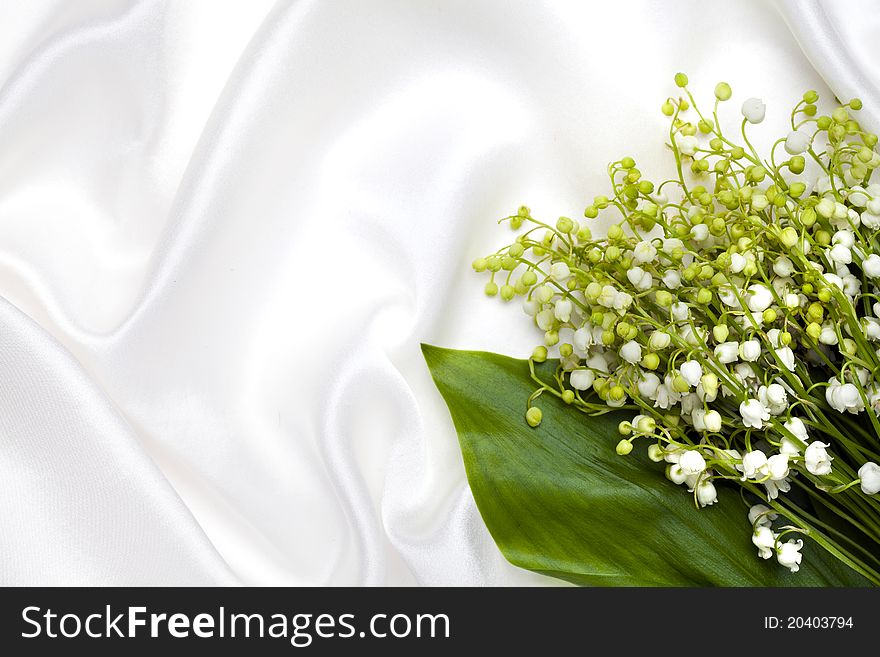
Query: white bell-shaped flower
point(817, 459)
point(869, 475)
point(582, 379)
point(759, 297)
point(562, 310)
point(631, 352)
point(789, 554)
point(754, 465)
point(644, 252)
point(559, 272)
point(727, 352)
point(797, 142)
point(692, 462)
point(761, 515)
point(706, 493)
point(750, 350)
point(765, 540)
point(691, 371)
point(753, 110)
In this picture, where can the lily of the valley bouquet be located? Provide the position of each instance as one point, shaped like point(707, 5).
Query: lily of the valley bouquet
point(723, 337)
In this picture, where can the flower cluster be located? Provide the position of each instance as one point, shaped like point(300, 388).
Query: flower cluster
point(734, 310)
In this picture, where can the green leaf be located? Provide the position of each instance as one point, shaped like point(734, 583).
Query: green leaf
point(559, 501)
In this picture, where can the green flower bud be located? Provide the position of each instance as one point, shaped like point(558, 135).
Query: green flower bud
point(584, 234)
point(534, 416)
point(720, 332)
point(591, 212)
point(507, 292)
point(720, 278)
point(681, 80)
point(788, 237)
point(824, 295)
point(723, 91)
point(797, 189)
point(539, 355)
point(568, 396)
point(479, 264)
point(811, 96)
point(607, 338)
point(663, 298)
point(647, 425)
point(785, 338)
point(704, 296)
point(491, 289)
point(710, 383)
point(608, 321)
point(494, 263)
point(624, 447)
point(808, 217)
point(822, 237)
point(823, 122)
point(615, 232)
point(815, 312)
point(650, 361)
point(855, 104)
point(667, 108)
point(737, 152)
point(679, 384)
point(848, 347)
point(551, 338)
point(612, 253)
point(627, 163)
point(797, 163)
point(529, 278)
point(840, 115)
point(564, 225)
point(565, 350)
point(508, 263)
point(769, 315)
point(616, 393)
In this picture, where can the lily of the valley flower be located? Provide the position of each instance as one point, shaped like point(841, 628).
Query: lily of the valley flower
point(816, 458)
point(754, 413)
point(788, 554)
point(753, 110)
point(869, 478)
point(765, 540)
point(754, 465)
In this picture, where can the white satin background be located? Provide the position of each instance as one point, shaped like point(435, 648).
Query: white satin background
point(225, 228)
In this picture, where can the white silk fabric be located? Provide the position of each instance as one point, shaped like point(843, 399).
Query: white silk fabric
point(225, 228)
